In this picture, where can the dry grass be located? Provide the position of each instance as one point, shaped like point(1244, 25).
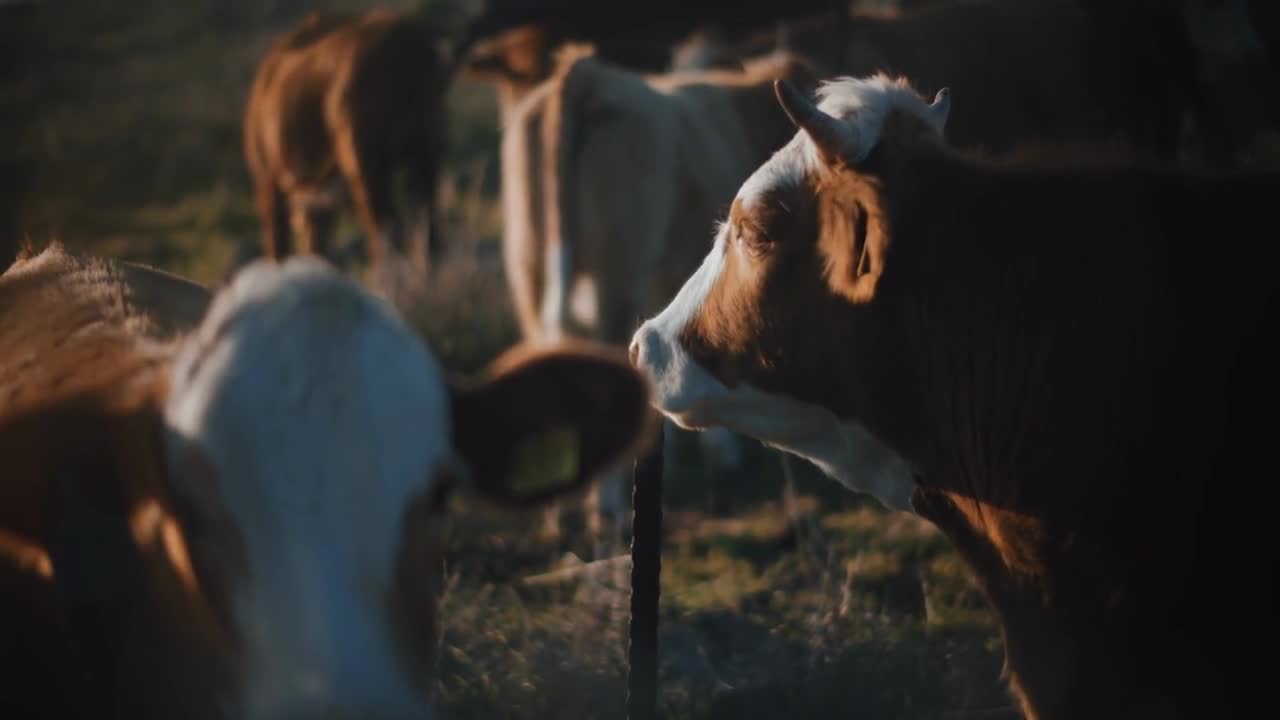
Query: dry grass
point(760, 615)
point(778, 598)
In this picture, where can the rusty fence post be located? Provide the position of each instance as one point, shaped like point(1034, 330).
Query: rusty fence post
point(646, 566)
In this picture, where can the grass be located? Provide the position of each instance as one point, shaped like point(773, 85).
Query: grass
point(779, 598)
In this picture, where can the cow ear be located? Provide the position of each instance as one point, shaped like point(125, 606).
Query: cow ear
point(853, 239)
point(545, 423)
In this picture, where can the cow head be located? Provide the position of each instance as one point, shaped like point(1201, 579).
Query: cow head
point(519, 57)
point(758, 339)
point(313, 442)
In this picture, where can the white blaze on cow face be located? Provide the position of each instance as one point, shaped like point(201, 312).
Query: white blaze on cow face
point(693, 398)
point(323, 417)
point(679, 384)
point(787, 168)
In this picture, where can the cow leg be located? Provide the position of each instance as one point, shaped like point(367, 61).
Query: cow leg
point(368, 181)
point(618, 319)
point(313, 226)
point(273, 213)
point(557, 278)
point(423, 239)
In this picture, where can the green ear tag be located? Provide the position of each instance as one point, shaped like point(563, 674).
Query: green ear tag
point(546, 462)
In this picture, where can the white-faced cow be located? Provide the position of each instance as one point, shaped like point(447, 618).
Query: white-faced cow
point(340, 109)
point(611, 185)
point(246, 521)
point(1063, 364)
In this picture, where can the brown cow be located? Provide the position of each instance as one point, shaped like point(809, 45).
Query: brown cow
point(1055, 361)
point(241, 522)
point(611, 183)
point(339, 108)
point(49, 302)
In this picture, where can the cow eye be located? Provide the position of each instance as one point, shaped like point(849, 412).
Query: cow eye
point(756, 243)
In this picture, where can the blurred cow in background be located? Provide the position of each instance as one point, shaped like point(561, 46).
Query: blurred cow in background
point(341, 110)
point(612, 181)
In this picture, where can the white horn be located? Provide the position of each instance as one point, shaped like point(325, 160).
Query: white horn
point(939, 109)
point(833, 139)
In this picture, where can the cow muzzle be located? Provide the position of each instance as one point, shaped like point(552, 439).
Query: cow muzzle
point(683, 390)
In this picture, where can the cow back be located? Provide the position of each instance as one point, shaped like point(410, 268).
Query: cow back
point(48, 300)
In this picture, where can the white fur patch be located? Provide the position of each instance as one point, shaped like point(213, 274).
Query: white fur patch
point(555, 291)
point(584, 302)
point(863, 103)
point(844, 451)
point(787, 168)
point(655, 346)
point(323, 416)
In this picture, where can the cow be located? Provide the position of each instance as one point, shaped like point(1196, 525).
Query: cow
point(1162, 77)
point(587, 148)
point(1050, 356)
point(341, 108)
point(246, 519)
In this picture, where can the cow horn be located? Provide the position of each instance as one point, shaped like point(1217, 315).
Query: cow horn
point(939, 109)
point(832, 138)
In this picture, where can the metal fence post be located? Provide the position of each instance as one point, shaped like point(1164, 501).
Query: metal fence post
point(646, 567)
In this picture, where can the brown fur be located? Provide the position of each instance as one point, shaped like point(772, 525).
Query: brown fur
point(90, 300)
point(1072, 354)
point(147, 619)
point(515, 61)
point(338, 108)
point(87, 346)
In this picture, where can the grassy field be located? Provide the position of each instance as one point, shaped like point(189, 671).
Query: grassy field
point(779, 597)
